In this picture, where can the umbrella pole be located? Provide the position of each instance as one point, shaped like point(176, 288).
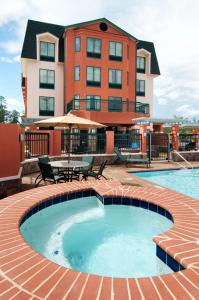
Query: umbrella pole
point(70, 127)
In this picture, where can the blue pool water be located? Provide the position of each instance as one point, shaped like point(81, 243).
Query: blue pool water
point(111, 240)
point(183, 181)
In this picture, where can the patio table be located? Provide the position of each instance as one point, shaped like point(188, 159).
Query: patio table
point(69, 165)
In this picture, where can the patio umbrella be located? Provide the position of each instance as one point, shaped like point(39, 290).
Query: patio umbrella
point(70, 121)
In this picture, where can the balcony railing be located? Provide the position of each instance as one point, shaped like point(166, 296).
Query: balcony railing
point(142, 108)
point(112, 105)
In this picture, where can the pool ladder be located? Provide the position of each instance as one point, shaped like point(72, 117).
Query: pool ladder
point(189, 165)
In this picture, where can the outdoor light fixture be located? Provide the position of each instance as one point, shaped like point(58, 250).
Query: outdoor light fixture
point(21, 137)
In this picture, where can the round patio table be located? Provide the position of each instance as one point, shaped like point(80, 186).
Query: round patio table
point(69, 165)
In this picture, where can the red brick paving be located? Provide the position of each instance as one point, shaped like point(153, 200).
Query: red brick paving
point(27, 275)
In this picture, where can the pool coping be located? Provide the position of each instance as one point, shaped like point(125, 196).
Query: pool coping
point(152, 183)
point(26, 274)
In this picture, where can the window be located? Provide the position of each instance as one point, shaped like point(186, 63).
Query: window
point(46, 79)
point(128, 51)
point(77, 44)
point(93, 76)
point(115, 79)
point(77, 73)
point(46, 106)
point(140, 87)
point(47, 51)
point(93, 48)
point(140, 64)
point(114, 104)
point(93, 102)
point(76, 102)
point(115, 51)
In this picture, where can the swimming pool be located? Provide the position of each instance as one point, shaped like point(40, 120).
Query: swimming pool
point(183, 181)
point(110, 240)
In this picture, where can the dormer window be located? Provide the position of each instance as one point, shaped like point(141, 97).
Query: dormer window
point(47, 51)
point(141, 64)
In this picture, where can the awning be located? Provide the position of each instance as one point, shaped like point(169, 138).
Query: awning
point(157, 121)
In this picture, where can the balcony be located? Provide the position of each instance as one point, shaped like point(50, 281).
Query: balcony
point(142, 108)
point(101, 105)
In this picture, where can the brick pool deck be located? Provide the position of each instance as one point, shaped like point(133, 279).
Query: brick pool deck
point(26, 274)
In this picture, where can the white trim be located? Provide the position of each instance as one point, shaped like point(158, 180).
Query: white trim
point(41, 37)
point(144, 50)
point(47, 34)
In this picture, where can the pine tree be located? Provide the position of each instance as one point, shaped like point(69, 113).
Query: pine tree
point(4, 114)
point(14, 116)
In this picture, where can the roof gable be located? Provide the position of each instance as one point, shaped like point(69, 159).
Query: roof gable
point(101, 20)
point(34, 28)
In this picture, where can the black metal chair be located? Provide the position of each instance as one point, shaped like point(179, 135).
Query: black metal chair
point(45, 160)
point(48, 175)
point(96, 175)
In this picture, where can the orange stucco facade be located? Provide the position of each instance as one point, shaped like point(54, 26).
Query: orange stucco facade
point(11, 150)
point(127, 66)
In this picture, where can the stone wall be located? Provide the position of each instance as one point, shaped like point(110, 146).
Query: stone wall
point(188, 155)
point(31, 165)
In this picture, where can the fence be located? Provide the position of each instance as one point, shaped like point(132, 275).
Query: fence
point(158, 146)
point(83, 143)
point(36, 144)
point(188, 142)
point(128, 141)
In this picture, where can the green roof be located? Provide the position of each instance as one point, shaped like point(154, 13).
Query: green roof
point(36, 27)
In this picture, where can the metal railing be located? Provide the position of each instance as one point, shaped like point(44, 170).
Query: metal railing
point(103, 105)
point(36, 144)
point(142, 108)
point(128, 142)
point(189, 165)
point(83, 143)
point(188, 142)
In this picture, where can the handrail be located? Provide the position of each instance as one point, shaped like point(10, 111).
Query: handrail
point(188, 163)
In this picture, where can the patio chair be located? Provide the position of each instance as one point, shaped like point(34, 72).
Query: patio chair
point(88, 159)
point(127, 160)
point(48, 175)
point(45, 160)
point(96, 175)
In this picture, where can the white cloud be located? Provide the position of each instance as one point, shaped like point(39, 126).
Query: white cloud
point(6, 59)
point(14, 104)
point(183, 108)
point(162, 101)
point(188, 111)
point(10, 60)
point(11, 47)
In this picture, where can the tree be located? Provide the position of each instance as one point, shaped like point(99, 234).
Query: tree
point(14, 116)
point(7, 116)
point(4, 114)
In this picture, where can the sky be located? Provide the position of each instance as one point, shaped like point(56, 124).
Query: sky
point(173, 26)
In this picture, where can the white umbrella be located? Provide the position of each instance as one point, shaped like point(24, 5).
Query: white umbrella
point(70, 121)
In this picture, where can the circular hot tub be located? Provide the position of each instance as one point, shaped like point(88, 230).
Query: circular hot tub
point(83, 234)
